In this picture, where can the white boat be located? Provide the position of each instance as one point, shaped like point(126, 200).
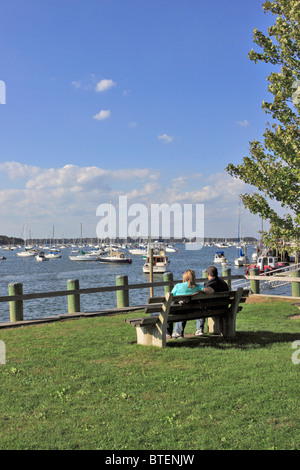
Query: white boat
point(41, 256)
point(222, 245)
point(53, 254)
point(160, 261)
point(242, 261)
point(27, 254)
point(115, 257)
point(138, 251)
point(170, 249)
point(220, 257)
point(84, 256)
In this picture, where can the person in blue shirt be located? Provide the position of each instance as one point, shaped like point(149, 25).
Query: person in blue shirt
point(188, 286)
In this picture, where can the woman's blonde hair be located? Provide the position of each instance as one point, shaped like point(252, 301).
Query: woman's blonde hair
point(189, 276)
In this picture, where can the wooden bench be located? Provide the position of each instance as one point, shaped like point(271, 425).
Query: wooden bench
point(220, 308)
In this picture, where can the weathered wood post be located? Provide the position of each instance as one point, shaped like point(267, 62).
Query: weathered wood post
point(16, 306)
point(122, 295)
point(73, 299)
point(227, 272)
point(254, 284)
point(168, 277)
point(295, 285)
point(151, 271)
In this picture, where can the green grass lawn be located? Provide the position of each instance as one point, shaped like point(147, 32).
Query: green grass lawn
point(86, 384)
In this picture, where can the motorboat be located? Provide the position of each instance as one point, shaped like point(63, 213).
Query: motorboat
point(160, 261)
point(220, 257)
point(41, 256)
point(170, 249)
point(115, 257)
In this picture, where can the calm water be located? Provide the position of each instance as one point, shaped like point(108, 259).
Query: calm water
point(54, 274)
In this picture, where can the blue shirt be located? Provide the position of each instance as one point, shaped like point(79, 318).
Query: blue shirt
point(183, 289)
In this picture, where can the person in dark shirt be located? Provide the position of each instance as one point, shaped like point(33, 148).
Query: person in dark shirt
point(218, 285)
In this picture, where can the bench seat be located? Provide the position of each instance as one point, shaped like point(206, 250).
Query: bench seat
point(220, 308)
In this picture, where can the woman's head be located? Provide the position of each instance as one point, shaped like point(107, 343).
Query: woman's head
point(189, 276)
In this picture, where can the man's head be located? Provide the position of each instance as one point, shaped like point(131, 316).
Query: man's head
point(212, 272)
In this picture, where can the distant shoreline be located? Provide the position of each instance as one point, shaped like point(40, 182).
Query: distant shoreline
point(5, 240)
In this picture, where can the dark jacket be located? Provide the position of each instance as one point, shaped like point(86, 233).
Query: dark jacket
point(217, 284)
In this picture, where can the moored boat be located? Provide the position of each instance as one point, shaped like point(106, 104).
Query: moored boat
point(115, 257)
point(84, 256)
point(220, 257)
point(160, 261)
point(41, 256)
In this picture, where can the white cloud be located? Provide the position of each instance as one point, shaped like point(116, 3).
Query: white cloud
point(102, 115)
point(166, 138)
point(17, 170)
point(244, 123)
point(70, 194)
point(104, 85)
point(76, 84)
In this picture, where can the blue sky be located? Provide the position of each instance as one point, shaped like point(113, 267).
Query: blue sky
point(145, 98)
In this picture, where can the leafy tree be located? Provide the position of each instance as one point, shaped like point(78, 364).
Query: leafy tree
point(273, 167)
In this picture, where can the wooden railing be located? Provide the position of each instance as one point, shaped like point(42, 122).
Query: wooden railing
point(16, 297)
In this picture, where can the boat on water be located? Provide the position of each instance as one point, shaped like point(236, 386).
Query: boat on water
point(53, 254)
point(41, 256)
point(220, 257)
point(115, 257)
point(242, 260)
point(85, 256)
point(222, 245)
point(160, 261)
point(27, 254)
point(138, 251)
point(171, 249)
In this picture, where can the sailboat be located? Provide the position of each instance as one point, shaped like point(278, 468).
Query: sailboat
point(242, 259)
point(28, 251)
point(85, 256)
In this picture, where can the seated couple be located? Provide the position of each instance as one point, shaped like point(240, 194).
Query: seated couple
point(189, 286)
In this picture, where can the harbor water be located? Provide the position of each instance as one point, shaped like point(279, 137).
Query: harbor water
point(53, 276)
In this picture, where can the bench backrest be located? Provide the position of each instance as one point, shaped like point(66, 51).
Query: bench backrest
point(199, 303)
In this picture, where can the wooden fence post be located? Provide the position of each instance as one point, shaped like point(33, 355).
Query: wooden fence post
point(295, 285)
point(73, 299)
point(227, 272)
point(151, 271)
point(168, 277)
point(254, 284)
point(16, 306)
point(122, 295)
